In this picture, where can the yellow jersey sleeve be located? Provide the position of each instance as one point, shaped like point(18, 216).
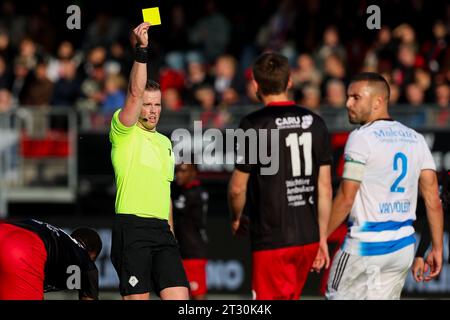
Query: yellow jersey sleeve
point(118, 129)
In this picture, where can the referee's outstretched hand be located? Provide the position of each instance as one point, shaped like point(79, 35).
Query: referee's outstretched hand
point(141, 34)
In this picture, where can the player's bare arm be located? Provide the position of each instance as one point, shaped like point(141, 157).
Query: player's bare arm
point(325, 197)
point(343, 203)
point(428, 186)
point(237, 189)
point(138, 77)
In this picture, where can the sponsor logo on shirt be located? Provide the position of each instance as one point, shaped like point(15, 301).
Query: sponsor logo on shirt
point(307, 121)
point(294, 122)
point(394, 133)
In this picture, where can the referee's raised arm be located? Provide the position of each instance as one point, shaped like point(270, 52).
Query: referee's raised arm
point(138, 78)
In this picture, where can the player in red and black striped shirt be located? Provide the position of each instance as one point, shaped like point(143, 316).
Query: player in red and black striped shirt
point(288, 209)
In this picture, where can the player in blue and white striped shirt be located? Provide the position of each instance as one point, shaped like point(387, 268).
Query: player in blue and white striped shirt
point(385, 165)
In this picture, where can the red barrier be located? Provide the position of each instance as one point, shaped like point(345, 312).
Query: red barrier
point(54, 145)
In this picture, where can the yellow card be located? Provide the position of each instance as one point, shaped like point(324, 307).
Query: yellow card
point(151, 15)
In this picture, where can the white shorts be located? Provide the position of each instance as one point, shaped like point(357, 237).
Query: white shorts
point(378, 277)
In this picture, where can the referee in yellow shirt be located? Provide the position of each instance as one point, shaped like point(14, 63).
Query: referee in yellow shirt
point(144, 251)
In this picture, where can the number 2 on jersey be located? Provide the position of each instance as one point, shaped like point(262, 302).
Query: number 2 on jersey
point(293, 141)
point(404, 168)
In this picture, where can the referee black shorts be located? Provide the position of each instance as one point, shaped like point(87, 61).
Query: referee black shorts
point(146, 256)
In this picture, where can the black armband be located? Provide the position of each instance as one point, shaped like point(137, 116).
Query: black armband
point(141, 54)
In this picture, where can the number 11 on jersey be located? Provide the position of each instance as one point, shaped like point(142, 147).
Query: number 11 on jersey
point(293, 141)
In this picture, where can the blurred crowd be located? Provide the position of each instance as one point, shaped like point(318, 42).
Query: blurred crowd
point(201, 64)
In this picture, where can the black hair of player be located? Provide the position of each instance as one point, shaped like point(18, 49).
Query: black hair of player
point(89, 238)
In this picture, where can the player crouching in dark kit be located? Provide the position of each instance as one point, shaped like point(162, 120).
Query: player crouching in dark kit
point(36, 257)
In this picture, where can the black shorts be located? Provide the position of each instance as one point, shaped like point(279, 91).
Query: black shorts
point(146, 256)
